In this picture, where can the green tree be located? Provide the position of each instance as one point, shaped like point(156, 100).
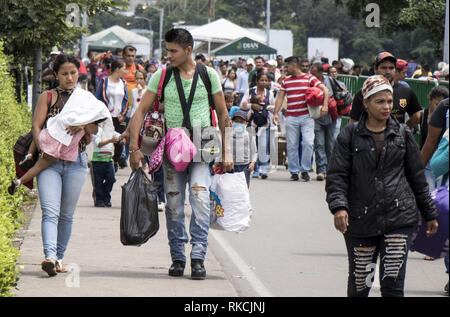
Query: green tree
point(30, 28)
point(405, 15)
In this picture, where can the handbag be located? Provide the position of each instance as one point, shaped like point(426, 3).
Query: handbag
point(21, 148)
point(343, 98)
point(179, 148)
point(153, 128)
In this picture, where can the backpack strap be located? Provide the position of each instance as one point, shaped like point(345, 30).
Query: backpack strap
point(169, 71)
point(160, 88)
point(267, 97)
point(203, 73)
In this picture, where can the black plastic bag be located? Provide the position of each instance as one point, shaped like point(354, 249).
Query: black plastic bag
point(139, 211)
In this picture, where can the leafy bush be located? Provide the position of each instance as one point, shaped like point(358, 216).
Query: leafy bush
point(15, 119)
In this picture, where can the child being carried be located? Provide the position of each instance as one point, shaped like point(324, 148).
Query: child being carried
point(80, 115)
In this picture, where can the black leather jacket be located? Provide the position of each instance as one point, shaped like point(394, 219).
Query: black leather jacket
point(378, 196)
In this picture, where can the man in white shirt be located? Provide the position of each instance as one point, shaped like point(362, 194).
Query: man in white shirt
point(242, 81)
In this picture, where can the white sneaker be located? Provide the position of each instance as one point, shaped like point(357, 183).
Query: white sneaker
point(161, 206)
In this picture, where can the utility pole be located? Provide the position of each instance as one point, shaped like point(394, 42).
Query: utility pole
point(83, 46)
point(161, 17)
point(179, 12)
point(268, 22)
point(209, 21)
point(445, 55)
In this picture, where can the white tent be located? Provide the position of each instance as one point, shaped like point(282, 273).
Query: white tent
point(223, 31)
point(118, 37)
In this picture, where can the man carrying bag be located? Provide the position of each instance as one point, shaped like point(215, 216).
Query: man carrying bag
point(197, 174)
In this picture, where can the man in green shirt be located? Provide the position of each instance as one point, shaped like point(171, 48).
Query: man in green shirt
point(179, 44)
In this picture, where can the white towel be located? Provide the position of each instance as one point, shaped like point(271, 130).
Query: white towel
point(81, 108)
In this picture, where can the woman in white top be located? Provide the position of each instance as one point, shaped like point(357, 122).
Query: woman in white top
point(253, 101)
point(229, 82)
point(138, 92)
point(114, 93)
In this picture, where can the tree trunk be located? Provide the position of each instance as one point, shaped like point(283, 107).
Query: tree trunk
point(37, 77)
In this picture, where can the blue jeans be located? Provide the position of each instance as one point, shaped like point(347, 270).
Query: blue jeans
point(198, 176)
point(59, 188)
point(431, 179)
point(263, 146)
point(295, 126)
point(323, 145)
point(158, 176)
point(104, 179)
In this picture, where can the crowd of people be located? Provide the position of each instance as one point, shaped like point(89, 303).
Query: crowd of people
point(261, 101)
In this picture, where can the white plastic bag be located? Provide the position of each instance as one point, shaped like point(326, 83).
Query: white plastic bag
point(230, 202)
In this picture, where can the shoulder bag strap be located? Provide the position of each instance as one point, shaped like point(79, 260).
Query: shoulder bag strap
point(186, 106)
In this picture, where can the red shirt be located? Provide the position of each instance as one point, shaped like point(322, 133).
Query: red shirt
point(295, 88)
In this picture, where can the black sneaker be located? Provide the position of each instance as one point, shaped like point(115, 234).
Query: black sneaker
point(108, 204)
point(294, 177)
point(198, 271)
point(99, 204)
point(305, 177)
point(263, 176)
point(177, 268)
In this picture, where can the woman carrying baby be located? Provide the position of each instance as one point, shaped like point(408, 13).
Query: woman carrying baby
point(62, 168)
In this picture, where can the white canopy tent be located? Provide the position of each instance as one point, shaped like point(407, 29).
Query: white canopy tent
point(219, 32)
point(117, 37)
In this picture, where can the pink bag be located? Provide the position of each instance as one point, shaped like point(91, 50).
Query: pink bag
point(179, 148)
point(156, 159)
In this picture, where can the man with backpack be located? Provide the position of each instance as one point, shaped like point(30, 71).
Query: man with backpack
point(178, 81)
point(324, 128)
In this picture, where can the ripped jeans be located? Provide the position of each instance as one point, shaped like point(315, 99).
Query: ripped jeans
point(198, 176)
point(393, 249)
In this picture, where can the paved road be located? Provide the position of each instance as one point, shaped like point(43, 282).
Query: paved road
point(103, 267)
point(291, 249)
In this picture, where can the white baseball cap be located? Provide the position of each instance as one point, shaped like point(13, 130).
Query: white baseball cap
point(250, 61)
point(272, 62)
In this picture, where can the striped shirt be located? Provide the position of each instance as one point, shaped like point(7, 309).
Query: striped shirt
point(295, 88)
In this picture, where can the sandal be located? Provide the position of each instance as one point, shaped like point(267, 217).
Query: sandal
point(60, 267)
point(428, 258)
point(48, 265)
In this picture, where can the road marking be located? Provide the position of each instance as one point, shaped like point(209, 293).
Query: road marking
point(243, 267)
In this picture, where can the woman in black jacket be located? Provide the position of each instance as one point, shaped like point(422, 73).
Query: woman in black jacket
point(375, 186)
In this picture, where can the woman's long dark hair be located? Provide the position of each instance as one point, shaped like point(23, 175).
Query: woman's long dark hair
point(116, 64)
point(62, 59)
